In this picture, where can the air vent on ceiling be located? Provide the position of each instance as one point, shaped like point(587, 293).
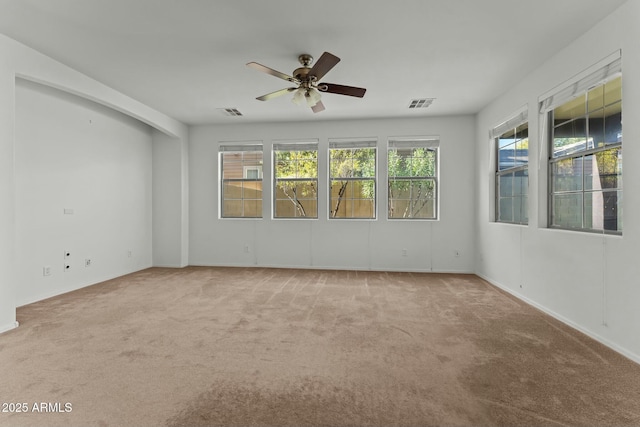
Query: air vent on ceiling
point(231, 111)
point(421, 103)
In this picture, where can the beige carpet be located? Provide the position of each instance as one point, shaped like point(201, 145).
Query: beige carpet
point(234, 346)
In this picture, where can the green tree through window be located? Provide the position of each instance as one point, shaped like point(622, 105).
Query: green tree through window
point(412, 185)
point(296, 181)
point(352, 172)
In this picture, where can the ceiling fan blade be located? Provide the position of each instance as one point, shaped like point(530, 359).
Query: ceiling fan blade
point(342, 90)
point(275, 94)
point(318, 107)
point(273, 72)
point(323, 65)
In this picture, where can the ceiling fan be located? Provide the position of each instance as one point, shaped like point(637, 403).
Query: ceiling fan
point(308, 83)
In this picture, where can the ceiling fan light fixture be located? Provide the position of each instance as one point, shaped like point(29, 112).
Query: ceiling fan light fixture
point(312, 96)
point(299, 97)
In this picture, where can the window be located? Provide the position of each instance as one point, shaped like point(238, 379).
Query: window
point(585, 156)
point(241, 171)
point(252, 172)
point(413, 183)
point(512, 175)
point(352, 179)
point(295, 168)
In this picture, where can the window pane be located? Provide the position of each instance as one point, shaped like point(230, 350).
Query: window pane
point(522, 152)
point(567, 210)
point(422, 163)
point(571, 110)
point(252, 190)
point(613, 124)
point(296, 164)
point(569, 138)
point(524, 210)
point(522, 131)
point(398, 208)
point(396, 162)
point(595, 98)
point(517, 210)
point(352, 199)
point(507, 156)
point(416, 162)
point(232, 208)
point(412, 199)
point(603, 170)
point(521, 183)
point(601, 210)
point(613, 91)
point(352, 162)
point(567, 175)
point(506, 185)
point(232, 190)
point(252, 209)
point(296, 199)
point(426, 210)
point(596, 127)
point(506, 209)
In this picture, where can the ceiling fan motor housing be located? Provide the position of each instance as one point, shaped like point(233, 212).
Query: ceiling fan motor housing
point(302, 73)
point(305, 59)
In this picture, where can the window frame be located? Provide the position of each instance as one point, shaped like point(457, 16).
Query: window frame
point(429, 143)
point(353, 144)
point(293, 146)
point(582, 154)
point(515, 126)
point(240, 148)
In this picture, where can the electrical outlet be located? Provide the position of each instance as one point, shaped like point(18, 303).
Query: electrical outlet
point(46, 270)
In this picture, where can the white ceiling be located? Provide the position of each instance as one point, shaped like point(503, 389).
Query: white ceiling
point(187, 58)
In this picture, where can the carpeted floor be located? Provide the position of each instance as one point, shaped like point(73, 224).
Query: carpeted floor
point(235, 346)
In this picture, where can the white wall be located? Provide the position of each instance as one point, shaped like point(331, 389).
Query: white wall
point(170, 201)
point(343, 244)
point(588, 280)
point(17, 60)
point(71, 153)
point(7, 193)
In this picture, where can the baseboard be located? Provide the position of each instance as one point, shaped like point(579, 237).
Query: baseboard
point(339, 268)
point(8, 327)
point(602, 340)
point(57, 292)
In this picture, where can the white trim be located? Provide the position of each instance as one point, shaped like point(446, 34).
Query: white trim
point(603, 70)
point(240, 146)
point(520, 116)
point(9, 327)
point(353, 143)
point(621, 350)
point(418, 142)
point(309, 145)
